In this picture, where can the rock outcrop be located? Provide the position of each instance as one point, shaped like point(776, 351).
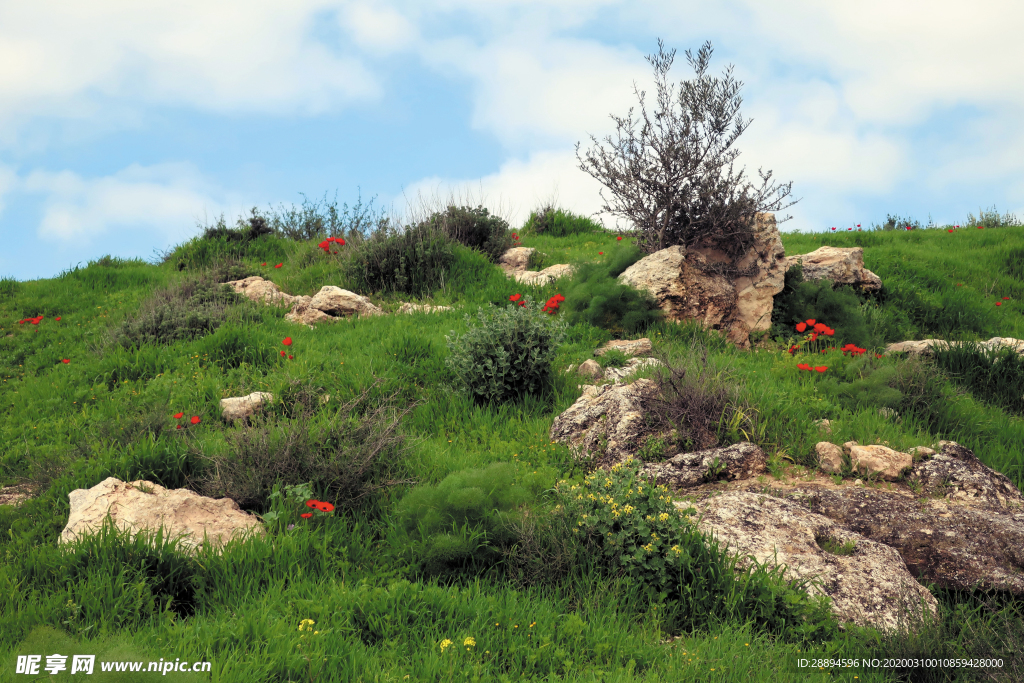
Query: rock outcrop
point(241, 407)
point(740, 461)
point(629, 347)
point(543, 277)
point(327, 305)
point(14, 495)
point(841, 265)
point(868, 583)
point(687, 285)
point(143, 505)
point(923, 347)
point(422, 308)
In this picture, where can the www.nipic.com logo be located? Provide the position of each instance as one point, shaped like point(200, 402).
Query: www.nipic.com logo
point(83, 664)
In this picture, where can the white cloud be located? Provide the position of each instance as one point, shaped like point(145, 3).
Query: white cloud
point(165, 201)
point(379, 30)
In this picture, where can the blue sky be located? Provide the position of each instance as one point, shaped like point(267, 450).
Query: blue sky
point(126, 126)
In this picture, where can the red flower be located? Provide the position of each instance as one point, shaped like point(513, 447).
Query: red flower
point(600, 253)
point(179, 416)
point(282, 354)
point(325, 245)
point(522, 303)
point(1005, 298)
point(878, 355)
point(849, 228)
point(306, 515)
point(814, 336)
point(999, 303)
point(951, 230)
point(803, 366)
point(821, 368)
point(337, 240)
point(514, 297)
point(810, 322)
point(833, 228)
point(858, 225)
point(279, 265)
point(325, 507)
point(793, 348)
point(195, 420)
point(264, 263)
point(57, 318)
point(312, 503)
point(800, 327)
point(290, 356)
point(179, 427)
point(65, 361)
point(979, 227)
point(287, 341)
point(619, 238)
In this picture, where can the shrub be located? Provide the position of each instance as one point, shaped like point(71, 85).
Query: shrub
point(229, 269)
point(508, 355)
point(594, 297)
point(309, 223)
point(559, 223)
point(801, 300)
point(183, 311)
point(613, 358)
point(414, 261)
point(350, 458)
point(247, 230)
point(465, 521)
point(633, 527)
point(474, 228)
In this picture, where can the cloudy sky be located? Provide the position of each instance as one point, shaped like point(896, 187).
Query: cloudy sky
point(126, 126)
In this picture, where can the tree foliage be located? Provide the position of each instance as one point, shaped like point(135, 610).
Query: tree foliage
point(666, 181)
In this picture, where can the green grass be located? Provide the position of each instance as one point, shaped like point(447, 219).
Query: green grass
point(533, 615)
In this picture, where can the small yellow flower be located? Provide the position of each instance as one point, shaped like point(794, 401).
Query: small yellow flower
point(444, 644)
point(469, 642)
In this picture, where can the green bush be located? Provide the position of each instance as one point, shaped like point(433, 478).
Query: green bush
point(508, 356)
point(596, 298)
point(414, 261)
point(559, 223)
point(474, 228)
point(635, 528)
point(183, 311)
point(246, 231)
point(802, 300)
point(613, 358)
point(466, 521)
point(230, 269)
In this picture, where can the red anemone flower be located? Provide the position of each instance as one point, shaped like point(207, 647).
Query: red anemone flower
point(65, 361)
point(282, 354)
point(800, 327)
point(514, 297)
point(600, 253)
point(195, 420)
point(287, 341)
point(619, 238)
point(312, 503)
point(325, 507)
point(178, 416)
point(999, 303)
point(821, 368)
point(306, 515)
point(57, 318)
point(279, 265)
point(290, 356)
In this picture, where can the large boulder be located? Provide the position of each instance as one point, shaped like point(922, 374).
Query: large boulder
point(329, 304)
point(687, 283)
point(629, 347)
point(543, 277)
point(883, 461)
point(515, 259)
point(841, 265)
point(257, 289)
point(241, 407)
point(143, 505)
point(868, 583)
point(957, 474)
point(743, 460)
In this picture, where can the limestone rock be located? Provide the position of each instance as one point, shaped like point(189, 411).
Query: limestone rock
point(422, 308)
point(589, 368)
point(612, 411)
point(871, 586)
point(543, 277)
point(923, 347)
point(238, 407)
point(686, 285)
point(515, 259)
point(142, 505)
point(739, 461)
point(889, 464)
point(632, 365)
point(14, 495)
point(957, 474)
point(841, 265)
point(303, 313)
point(629, 347)
point(257, 289)
point(330, 304)
point(830, 457)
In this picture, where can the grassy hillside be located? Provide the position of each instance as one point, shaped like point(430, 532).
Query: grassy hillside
point(368, 415)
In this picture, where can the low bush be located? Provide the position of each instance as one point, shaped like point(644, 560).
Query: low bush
point(474, 228)
point(186, 310)
point(634, 527)
point(612, 358)
point(593, 296)
point(559, 223)
point(466, 521)
point(414, 261)
point(802, 300)
point(508, 355)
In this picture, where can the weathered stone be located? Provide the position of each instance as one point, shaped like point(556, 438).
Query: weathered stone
point(238, 407)
point(884, 461)
point(590, 368)
point(422, 308)
point(841, 265)
point(614, 412)
point(871, 586)
point(824, 425)
point(923, 347)
point(957, 474)
point(686, 286)
point(142, 505)
point(739, 461)
point(889, 413)
point(629, 347)
point(14, 495)
point(257, 289)
point(830, 457)
point(919, 452)
point(543, 277)
point(305, 314)
point(515, 259)
point(336, 301)
point(631, 367)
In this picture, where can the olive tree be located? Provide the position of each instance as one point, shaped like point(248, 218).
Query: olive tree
point(666, 181)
